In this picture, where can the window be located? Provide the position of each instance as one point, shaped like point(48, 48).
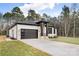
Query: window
point(54, 30)
point(49, 30)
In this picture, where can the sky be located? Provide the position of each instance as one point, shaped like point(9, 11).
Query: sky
point(51, 9)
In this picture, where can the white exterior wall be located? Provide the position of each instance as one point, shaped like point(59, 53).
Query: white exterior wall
point(12, 35)
point(53, 34)
point(44, 31)
point(17, 30)
point(52, 30)
point(19, 27)
point(56, 32)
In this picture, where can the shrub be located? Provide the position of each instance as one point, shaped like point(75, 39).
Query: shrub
point(52, 36)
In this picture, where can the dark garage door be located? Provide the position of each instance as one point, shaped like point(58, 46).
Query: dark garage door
point(29, 33)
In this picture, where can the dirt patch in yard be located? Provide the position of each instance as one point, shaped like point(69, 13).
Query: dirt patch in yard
point(2, 38)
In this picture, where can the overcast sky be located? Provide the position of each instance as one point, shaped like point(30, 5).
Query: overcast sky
point(51, 9)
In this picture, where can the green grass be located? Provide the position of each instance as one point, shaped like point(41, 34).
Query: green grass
point(67, 40)
point(18, 48)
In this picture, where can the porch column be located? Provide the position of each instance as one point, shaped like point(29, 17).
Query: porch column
point(42, 29)
point(47, 29)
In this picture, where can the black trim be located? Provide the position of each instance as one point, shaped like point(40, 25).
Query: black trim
point(36, 24)
point(46, 29)
point(29, 33)
point(22, 24)
point(12, 26)
point(50, 30)
point(42, 29)
point(42, 22)
point(54, 30)
point(28, 24)
point(13, 38)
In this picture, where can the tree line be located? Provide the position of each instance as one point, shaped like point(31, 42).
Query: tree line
point(16, 15)
point(67, 22)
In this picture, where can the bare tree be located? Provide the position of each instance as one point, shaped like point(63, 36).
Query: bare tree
point(74, 18)
point(66, 12)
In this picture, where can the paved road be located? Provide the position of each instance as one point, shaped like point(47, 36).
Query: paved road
point(53, 47)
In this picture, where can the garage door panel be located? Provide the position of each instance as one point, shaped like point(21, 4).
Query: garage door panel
point(29, 33)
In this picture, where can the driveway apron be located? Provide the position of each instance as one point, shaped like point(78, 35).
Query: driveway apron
point(53, 47)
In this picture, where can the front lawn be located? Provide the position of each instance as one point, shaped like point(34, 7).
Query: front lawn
point(67, 40)
point(18, 48)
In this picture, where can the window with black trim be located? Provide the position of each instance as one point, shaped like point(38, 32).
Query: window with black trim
point(50, 30)
point(54, 30)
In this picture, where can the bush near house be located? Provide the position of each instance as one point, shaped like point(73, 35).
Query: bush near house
point(52, 36)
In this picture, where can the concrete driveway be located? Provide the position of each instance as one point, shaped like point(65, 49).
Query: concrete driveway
point(53, 47)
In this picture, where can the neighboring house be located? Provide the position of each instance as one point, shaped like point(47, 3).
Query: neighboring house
point(31, 30)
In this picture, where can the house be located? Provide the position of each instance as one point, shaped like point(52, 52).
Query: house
point(31, 30)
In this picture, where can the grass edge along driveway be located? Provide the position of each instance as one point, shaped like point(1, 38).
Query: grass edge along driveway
point(18, 48)
point(70, 40)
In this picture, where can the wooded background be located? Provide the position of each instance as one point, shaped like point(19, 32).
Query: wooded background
point(67, 22)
